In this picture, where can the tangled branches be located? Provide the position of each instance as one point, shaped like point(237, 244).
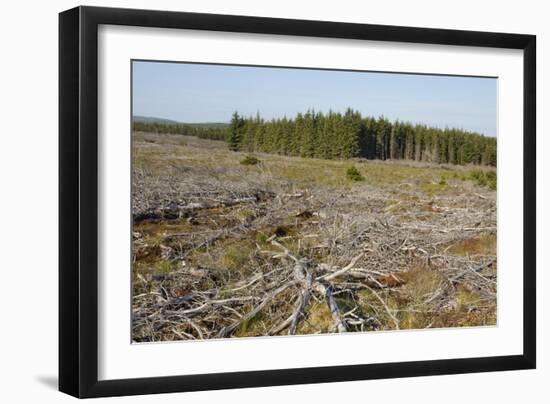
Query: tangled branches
point(220, 254)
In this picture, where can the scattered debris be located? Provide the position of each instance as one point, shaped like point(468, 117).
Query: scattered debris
point(219, 253)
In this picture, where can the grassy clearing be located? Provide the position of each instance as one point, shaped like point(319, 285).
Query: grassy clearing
point(189, 153)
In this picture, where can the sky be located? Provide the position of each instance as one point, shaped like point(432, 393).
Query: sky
point(194, 93)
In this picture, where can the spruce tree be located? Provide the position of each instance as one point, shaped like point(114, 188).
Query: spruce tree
point(342, 136)
point(234, 135)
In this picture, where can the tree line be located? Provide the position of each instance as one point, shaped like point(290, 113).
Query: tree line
point(203, 132)
point(335, 135)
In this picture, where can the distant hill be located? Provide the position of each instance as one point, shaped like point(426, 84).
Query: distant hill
point(207, 125)
point(149, 119)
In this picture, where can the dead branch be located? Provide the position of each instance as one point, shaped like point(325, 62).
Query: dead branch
point(226, 331)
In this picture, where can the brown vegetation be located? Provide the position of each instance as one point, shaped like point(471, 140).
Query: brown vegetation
point(294, 246)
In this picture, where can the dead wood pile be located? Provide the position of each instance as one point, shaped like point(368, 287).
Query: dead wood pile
point(344, 247)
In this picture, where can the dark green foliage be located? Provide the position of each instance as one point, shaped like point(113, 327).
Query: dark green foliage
point(478, 176)
point(491, 180)
point(353, 174)
point(482, 178)
point(334, 135)
point(237, 133)
point(250, 161)
point(215, 132)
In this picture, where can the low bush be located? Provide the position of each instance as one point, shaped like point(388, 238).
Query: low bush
point(492, 180)
point(353, 174)
point(250, 161)
point(479, 177)
point(484, 179)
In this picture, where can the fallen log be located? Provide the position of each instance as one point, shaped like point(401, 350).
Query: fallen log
point(178, 211)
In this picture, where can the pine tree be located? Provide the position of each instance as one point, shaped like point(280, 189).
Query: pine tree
point(342, 136)
point(234, 135)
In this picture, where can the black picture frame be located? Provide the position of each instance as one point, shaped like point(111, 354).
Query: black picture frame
point(78, 201)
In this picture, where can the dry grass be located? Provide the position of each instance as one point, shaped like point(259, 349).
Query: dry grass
point(427, 234)
point(485, 244)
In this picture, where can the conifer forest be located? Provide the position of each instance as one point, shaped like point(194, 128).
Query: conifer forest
point(344, 136)
point(320, 223)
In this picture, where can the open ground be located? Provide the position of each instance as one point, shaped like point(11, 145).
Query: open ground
point(230, 246)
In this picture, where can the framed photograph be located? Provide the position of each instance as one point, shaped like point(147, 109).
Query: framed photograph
point(250, 201)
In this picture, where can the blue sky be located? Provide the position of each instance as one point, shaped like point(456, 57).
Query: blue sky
point(211, 93)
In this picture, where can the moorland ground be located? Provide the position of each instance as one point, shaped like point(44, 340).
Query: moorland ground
point(230, 245)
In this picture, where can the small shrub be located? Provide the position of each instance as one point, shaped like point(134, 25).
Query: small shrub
point(443, 181)
point(353, 174)
point(492, 180)
point(250, 161)
point(476, 174)
point(433, 188)
point(479, 177)
point(484, 179)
